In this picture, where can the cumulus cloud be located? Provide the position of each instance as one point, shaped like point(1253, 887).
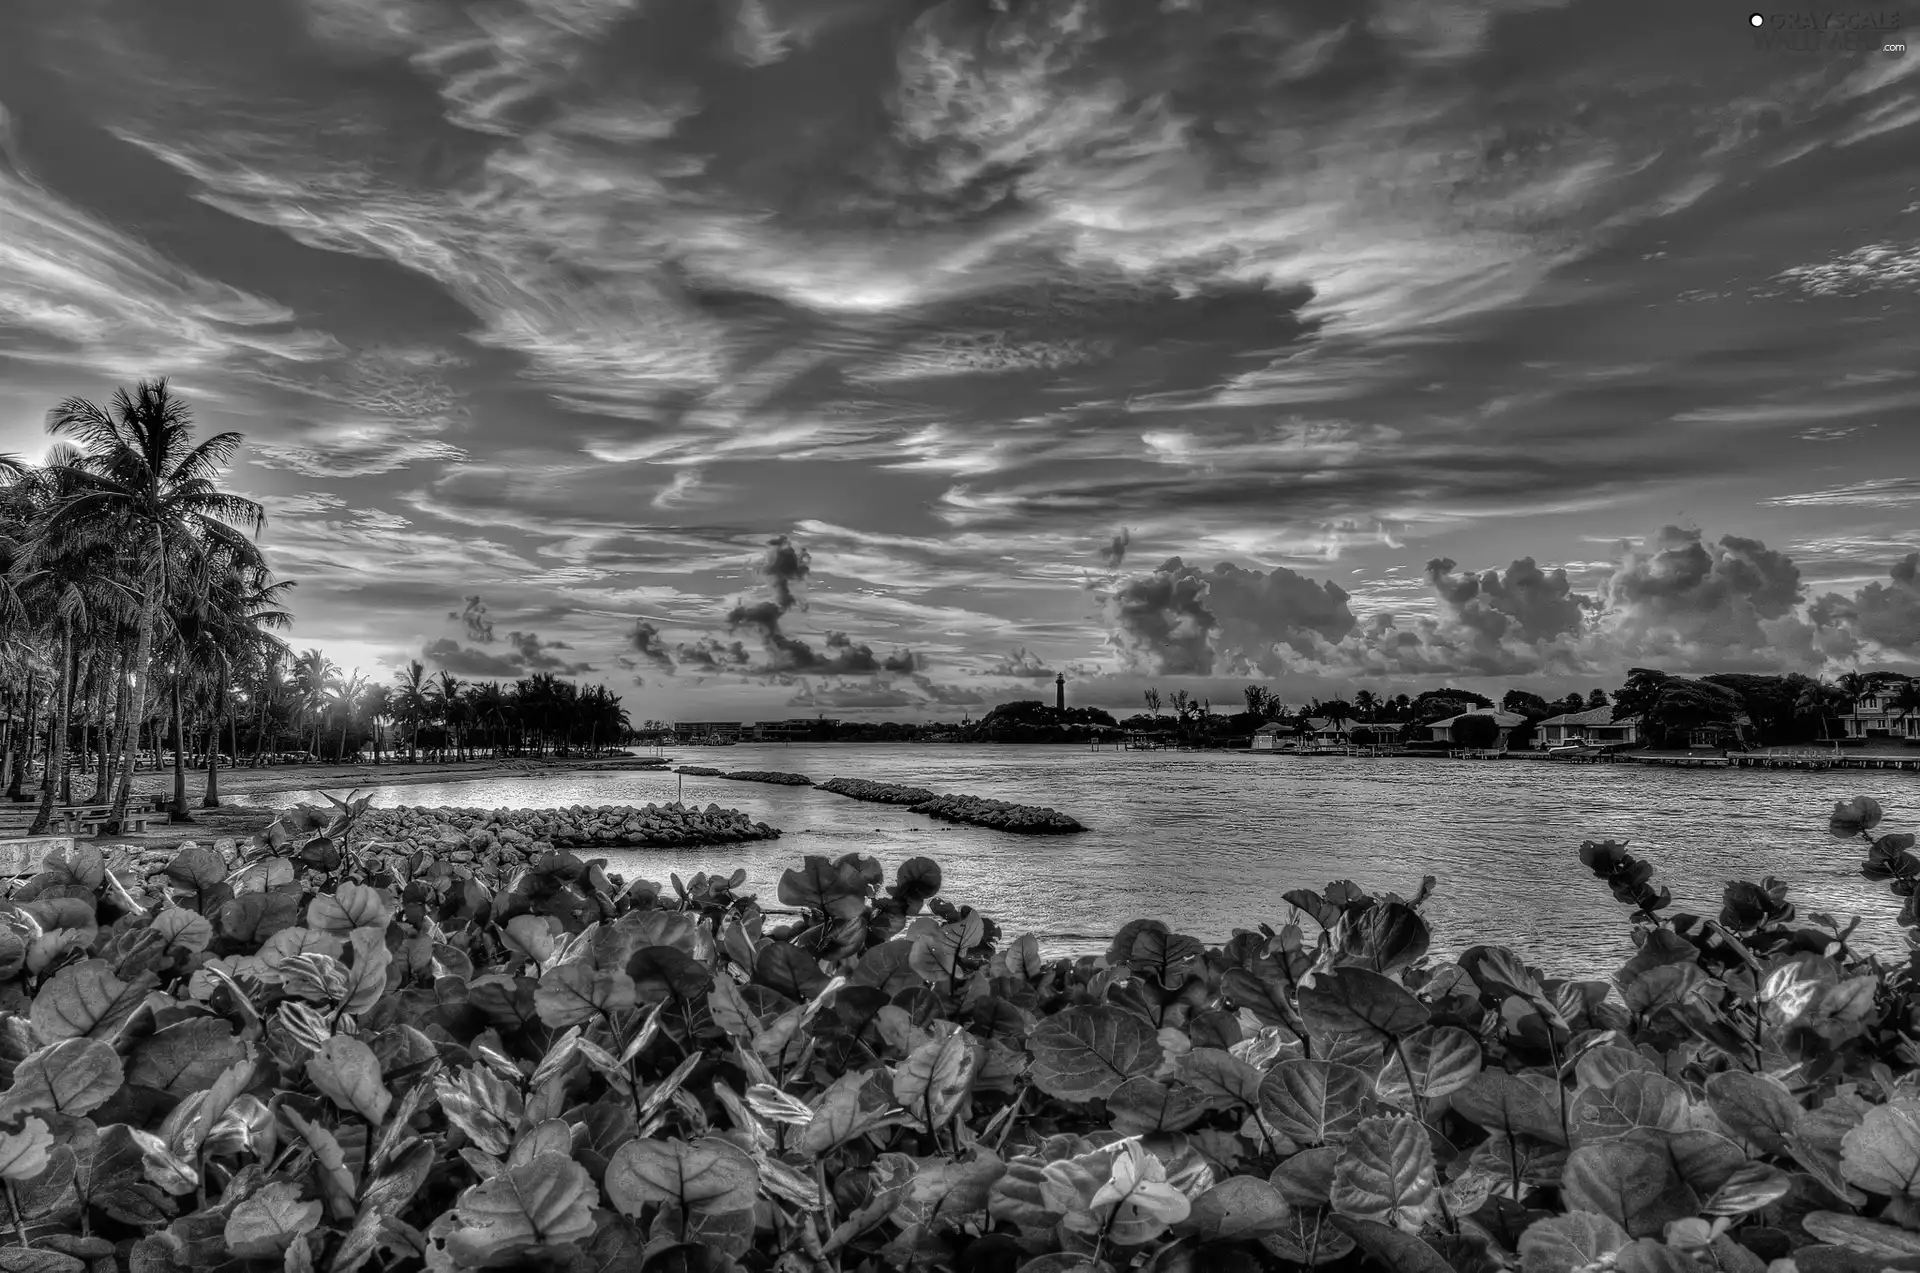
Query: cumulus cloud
point(1115, 550)
point(1681, 596)
point(1887, 614)
point(1181, 620)
point(525, 652)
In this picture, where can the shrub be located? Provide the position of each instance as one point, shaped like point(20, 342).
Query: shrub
point(331, 1055)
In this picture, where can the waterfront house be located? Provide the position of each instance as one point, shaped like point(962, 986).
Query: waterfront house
point(1321, 729)
point(1875, 716)
point(1270, 736)
point(1441, 731)
point(1595, 727)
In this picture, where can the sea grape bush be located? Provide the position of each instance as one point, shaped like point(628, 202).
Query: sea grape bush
point(328, 1054)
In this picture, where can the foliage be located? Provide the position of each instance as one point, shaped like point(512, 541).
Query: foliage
point(1670, 708)
point(311, 1058)
point(1476, 730)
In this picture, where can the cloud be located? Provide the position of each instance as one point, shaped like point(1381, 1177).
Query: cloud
point(1181, 620)
point(1115, 551)
point(645, 641)
point(1680, 596)
point(479, 626)
point(1873, 492)
point(1022, 665)
point(1525, 603)
point(1887, 614)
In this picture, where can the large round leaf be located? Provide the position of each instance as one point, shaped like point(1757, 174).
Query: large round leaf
point(1314, 1101)
point(1085, 1053)
point(1561, 1244)
point(186, 1057)
point(267, 1223)
point(1238, 1207)
point(549, 1199)
point(1384, 937)
point(1386, 1173)
point(85, 1000)
point(1354, 1000)
point(936, 1078)
point(1509, 1106)
point(73, 1076)
point(1882, 1154)
point(1443, 1059)
point(347, 1071)
point(708, 1175)
point(1638, 1100)
point(1622, 1180)
point(1142, 1106)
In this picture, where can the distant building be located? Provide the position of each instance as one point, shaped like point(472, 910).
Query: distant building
point(1323, 729)
point(1269, 737)
point(1875, 716)
point(1060, 691)
point(708, 729)
point(1441, 731)
point(1595, 727)
point(797, 729)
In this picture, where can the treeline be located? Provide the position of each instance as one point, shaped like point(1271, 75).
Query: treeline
point(137, 613)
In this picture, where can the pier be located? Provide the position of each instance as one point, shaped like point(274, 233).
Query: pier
point(1821, 758)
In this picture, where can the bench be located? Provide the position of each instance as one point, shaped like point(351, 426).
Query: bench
point(133, 823)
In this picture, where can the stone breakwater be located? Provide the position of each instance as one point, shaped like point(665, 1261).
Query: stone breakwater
point(529, 831)
point(699, 771)
point(1022, 819)
point(769, 775)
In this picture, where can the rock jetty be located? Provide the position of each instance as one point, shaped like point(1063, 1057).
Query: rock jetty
point(530, 831)
point(699, 771)
point(1021, 819)
point(878, 792)
point(769, 775)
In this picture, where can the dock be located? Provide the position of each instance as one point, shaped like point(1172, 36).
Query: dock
point(1821, 758)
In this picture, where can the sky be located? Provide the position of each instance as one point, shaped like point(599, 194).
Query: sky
point(773, 358)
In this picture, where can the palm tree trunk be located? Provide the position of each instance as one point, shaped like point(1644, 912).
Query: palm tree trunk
point(57, 742)
point(211, 800)
point(109, 681)
point(180, 813)
point(142, 656)
point(26, 745)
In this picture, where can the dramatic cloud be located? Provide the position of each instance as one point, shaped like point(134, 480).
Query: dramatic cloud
point(575, 302)
point(645, 641)
point(479, 626)
point(1886, 614)
point(1022, 665)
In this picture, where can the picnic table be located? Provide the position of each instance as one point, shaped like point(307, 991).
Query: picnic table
point(73, 819)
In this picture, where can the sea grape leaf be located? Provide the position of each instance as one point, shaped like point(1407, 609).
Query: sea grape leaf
point(1357, 1001)
point(708, 1174)
point(1638, 1100)
point(851, 1106)
point(351, 906)
point(1386, 1173)
point(1121, 1191)
point(935, 1080)
point(251, 918)
point(1085, 1053)
point(184, 928)
point(1238, 1207)
point(23, 1154)
point(367, 979)
point(1622, 1180)
point(1756, 1108)
point(1401, 1252)
point(1383, 938)
point(548, 1200)
point(1748, 1188)
point(1509, 1106)
point(85, 1000)
point(1221, 1077)
point(1314, 1101)
point(1165, 956)
point(1142, 1106)
point(347, 1071)
point(197, 867)
point(572, 994)
point(269, 1220)
point(1856, 1233)
point(185, 1057)
point(788, 970)
point(73, 1076)
point(819, 880)
point(1882, 1154)
point(1561, 1244)
point(1444, 1059)
point(481, 1104)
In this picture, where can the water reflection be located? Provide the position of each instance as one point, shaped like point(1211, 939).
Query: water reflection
point(1209, 841)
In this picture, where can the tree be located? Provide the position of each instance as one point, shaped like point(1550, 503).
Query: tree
point(1906, 697)
point(142, 485)
point(1476, 731)
point(1526, 704)
point(1366, 705)
point(447, 699)
point(1822, 704)
point(411, 699)
point(1598, 698)
point(1262, 703)
point(1152, 697)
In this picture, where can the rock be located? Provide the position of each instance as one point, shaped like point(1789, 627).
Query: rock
point(1001, 815)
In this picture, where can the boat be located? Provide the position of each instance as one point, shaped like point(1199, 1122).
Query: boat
point(1574, 751)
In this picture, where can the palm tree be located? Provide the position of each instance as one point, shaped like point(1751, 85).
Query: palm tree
point(376, 704)
point(446, 691)
point(314, 676)
point(346, 696)
point(1820, 701)
point(1906, 698)
point(1366, 704)
point(413, 701)
point(144, 486)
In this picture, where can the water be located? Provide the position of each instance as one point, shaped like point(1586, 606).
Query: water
point(1208, 841)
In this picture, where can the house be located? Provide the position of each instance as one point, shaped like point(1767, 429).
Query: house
point(1325, 730)
point(1441, 731)
point(1875, 716)
point(1269, 737)
point(1596, 727)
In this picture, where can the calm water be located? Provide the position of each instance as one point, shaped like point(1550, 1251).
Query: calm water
point(1209, 840)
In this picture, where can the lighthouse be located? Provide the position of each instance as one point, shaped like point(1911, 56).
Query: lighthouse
point(1060, 691)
